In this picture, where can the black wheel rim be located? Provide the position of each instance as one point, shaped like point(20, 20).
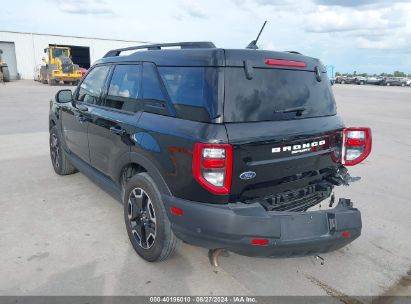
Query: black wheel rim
point(55, 150)
point(141, 218)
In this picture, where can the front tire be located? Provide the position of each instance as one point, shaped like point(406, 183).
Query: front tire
point(147, 224)
point(59, 160)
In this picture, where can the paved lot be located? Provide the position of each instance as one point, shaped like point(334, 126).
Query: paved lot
point(65, 236)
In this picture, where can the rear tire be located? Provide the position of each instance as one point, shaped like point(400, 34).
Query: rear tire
point(388, 84)
point(59, 159)
point(146, 220)
point(342, 82)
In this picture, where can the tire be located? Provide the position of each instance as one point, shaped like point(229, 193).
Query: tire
point(144, 214)
point(403, 84)
point(362, 82)
point(59, 160)
point(6, 74)
point(342, 82)
point(388, 84)
point(51, 81)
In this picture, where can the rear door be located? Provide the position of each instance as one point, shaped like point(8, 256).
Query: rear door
point(112, 122)
point(283, 126)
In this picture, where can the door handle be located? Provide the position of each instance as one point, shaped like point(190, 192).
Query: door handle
point(117, 130)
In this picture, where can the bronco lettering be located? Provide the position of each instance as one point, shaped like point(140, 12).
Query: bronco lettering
point(297, 148)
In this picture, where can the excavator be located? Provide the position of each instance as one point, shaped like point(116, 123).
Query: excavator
point(58, 66)
point(4, 69)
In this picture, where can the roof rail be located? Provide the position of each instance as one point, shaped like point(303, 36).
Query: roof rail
point(183, 45)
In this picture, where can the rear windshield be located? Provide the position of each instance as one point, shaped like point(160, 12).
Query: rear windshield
point(271, 92)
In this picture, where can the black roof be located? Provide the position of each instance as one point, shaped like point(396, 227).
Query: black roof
point(205, 54)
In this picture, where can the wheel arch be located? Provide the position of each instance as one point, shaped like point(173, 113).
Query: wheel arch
point(135, 163)
point(52, 123)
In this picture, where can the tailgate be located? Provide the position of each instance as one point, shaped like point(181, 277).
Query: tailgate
point(274, 157)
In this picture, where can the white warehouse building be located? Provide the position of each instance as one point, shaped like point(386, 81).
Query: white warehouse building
point(24, 51)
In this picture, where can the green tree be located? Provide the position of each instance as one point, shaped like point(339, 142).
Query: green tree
point(337, 74)
point(399, 74)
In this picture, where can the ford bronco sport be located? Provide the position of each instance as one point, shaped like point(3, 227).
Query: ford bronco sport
point(222, 148)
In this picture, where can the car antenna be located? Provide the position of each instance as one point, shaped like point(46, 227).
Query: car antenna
point(253, 44)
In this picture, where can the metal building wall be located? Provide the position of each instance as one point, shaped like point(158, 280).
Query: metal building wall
point(30, 47)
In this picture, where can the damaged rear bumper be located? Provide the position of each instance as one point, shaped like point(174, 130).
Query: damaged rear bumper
point(235, 227)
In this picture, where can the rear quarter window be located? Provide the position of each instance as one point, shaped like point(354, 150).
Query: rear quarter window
point(192, 90)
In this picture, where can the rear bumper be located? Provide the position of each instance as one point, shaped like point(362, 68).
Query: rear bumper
point(233, 226)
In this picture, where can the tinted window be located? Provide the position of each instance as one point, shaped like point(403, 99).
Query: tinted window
point(124, 88)
point(92, 86)
point(272, 90)
point(151, 84)
point(193, 91)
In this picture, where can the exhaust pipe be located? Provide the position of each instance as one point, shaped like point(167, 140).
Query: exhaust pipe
point(214, 254)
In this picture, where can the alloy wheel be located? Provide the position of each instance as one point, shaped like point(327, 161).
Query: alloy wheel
point(141, 218)
point(55, 150)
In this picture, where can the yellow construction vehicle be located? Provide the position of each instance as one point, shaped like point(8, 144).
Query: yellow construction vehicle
point(59, 67)
point(4, 70)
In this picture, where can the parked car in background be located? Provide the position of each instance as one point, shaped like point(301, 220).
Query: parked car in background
point(360, 80)
point(344, 80)
point(394, 81)
point(374, 80)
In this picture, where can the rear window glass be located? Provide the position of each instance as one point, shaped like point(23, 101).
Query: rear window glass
point(192, 90)
point(270, 91)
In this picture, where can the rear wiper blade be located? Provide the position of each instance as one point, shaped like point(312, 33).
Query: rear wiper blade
point(289, 110)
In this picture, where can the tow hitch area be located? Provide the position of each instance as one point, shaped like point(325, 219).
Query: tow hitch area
point(300, 234)
point(251, 230)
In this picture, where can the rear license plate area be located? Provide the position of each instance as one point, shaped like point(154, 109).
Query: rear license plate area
point(304, 226)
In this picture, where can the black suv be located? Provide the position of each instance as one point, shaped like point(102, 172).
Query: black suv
point(222, 148)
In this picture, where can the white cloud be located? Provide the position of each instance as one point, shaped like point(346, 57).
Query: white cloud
point(84, 7)
point(326, 20)
point(191, 8)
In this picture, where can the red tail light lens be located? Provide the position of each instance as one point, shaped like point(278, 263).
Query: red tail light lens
point(259, 242)
point(212, 166)
point(357, 144)
point(286, 63)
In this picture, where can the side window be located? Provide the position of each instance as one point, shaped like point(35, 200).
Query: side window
point(92, 86)
point(151, 84)
point(192, 91)
point(124, 89)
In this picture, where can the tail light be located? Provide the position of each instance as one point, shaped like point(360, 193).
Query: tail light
point(356, 145)
point(212, 166)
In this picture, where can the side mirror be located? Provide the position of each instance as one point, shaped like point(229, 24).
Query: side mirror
point(64, 96)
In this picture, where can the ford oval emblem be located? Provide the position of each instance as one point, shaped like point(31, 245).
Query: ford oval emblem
point(248, 175)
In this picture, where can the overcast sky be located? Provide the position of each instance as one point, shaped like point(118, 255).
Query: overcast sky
point(371, 36)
